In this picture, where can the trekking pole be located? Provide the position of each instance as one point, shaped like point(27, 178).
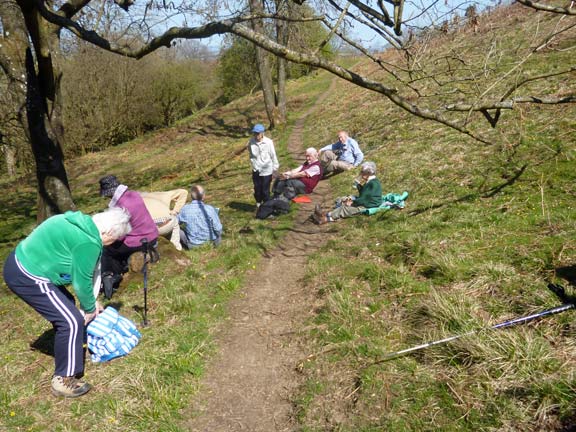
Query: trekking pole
point(144, 242)
point(557, 289)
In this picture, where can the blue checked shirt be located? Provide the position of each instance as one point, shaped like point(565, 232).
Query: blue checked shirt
point(348, 152)
point(202, 222)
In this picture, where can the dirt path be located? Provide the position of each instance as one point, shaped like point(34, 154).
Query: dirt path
point(249, 385)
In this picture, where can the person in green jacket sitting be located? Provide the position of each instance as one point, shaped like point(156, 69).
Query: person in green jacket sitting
point(65, 250)
point(369, 196)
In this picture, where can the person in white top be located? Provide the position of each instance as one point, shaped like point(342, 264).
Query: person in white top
point(264, 163)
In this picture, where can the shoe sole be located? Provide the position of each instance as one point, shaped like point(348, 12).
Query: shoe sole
point(69, 396)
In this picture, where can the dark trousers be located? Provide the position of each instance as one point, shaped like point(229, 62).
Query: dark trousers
point(56, 304)
point(115, 257)
point(261, 186)
point(294, 186)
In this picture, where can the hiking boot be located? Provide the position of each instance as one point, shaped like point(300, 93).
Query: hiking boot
point(69, 387)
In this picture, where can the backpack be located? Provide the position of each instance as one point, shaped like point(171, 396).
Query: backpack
point(273, 207)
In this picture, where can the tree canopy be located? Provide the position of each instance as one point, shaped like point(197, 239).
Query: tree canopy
point(406, 73)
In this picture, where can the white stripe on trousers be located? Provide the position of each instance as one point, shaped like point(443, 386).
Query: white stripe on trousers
point(43, 283)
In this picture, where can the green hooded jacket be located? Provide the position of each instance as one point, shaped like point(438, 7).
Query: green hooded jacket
point(64, 249)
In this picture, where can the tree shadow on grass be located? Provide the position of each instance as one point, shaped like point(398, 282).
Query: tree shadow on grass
point(472, 196)
point(242, 206)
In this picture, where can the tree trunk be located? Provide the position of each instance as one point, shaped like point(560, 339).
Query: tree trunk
point(282, 64)
point(264, 70)
point(40, 95)
point(10, 158)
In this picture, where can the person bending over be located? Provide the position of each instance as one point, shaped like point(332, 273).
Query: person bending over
point(65, 250)
point(164, 208)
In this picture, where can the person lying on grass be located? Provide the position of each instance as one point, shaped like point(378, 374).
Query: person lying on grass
point(370, 195)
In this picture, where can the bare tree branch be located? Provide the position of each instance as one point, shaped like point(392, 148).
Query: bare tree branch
point(546, 8)
point(235, 26)
point(509, 104)
point(455, 69)
point(332, 29)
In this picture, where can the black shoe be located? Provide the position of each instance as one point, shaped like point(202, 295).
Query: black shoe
point(110, 284)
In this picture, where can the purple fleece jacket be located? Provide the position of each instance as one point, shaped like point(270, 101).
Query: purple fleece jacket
point(142, 224)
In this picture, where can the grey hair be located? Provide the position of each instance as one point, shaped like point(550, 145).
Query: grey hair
point(114, 222)
point(368, 168)
point(197, 193)
point(312, 151)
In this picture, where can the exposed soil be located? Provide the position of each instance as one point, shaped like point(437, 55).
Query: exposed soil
point(250, 383)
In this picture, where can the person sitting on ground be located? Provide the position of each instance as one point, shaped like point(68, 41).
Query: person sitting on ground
point(370, 195)
point(65, 249)
point(201, 221)
point(343, 155)
point(263, 161)
point(164, 208)
point(115, 256)
point(300, 180)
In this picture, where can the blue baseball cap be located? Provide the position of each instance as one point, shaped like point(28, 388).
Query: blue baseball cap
point(258, 128)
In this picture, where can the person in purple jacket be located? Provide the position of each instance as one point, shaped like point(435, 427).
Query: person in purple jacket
point(115, 256)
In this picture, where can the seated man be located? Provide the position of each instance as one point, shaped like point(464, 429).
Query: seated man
point(370, 195)
point(300, 180)
point(201, 221)
point(164, 208)
point(343, 155)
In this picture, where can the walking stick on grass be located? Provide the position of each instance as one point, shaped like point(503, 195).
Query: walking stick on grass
point(556, 289)
point(144, 242)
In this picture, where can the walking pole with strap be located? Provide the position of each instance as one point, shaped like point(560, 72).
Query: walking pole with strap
point(144, 242)
point(568, 304)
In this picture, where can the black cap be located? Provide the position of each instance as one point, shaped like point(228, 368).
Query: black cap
point(108, 185)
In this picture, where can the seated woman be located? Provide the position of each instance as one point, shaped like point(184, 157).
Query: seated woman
point(370, 195)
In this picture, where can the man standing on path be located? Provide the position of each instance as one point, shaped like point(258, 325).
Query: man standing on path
point(264, 162)
point(343, 155)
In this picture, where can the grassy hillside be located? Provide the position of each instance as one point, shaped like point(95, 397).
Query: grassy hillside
point(484, 229)
point(148, 389)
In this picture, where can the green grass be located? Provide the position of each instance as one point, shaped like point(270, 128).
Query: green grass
point(484, 230)
point(150, 388)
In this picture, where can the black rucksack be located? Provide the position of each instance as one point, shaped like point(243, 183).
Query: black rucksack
point(273, 207)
